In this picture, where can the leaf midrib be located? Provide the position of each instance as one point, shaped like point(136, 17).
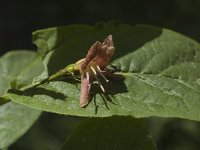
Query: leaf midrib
point(129, 74)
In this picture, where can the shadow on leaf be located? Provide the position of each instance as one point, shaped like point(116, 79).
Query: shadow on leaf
point(115, 86)
point(73, 42)
point(39, 91)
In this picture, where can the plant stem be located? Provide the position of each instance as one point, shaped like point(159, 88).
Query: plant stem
point(70, 69)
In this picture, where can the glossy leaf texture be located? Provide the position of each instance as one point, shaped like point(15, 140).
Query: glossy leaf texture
point(15, 120)
point(160, 67)
point(20, 67)
point(115, 132)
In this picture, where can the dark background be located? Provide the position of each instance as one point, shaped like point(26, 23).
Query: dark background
point(19, 18)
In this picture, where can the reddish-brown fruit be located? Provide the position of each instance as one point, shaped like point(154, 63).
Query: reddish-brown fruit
point(97, 58)
point(85, 90)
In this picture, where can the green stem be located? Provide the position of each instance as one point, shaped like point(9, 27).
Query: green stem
point(67, 70)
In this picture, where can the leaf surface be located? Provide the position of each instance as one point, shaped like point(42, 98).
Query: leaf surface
point(21, 67)
point(18, 68)
point(117, 133)
point(15, 120)
point(160, 67)
point(46, 136)
point(4, 85)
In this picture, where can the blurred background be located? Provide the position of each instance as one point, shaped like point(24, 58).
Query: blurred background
point(19, 18)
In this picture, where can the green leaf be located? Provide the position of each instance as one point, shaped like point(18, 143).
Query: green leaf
point(45, 136)
point(71, 43)
point(161, 70)
point(110, 133)
point(4, 85)
point(21, 67)
point(18, 68)
point(15, 120)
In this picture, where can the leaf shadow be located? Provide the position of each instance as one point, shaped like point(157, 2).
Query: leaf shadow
point(73, 42)
point(115, 86)
point(39, 91)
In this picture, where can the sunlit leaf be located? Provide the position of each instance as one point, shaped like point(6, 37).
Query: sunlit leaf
point(160, 67)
